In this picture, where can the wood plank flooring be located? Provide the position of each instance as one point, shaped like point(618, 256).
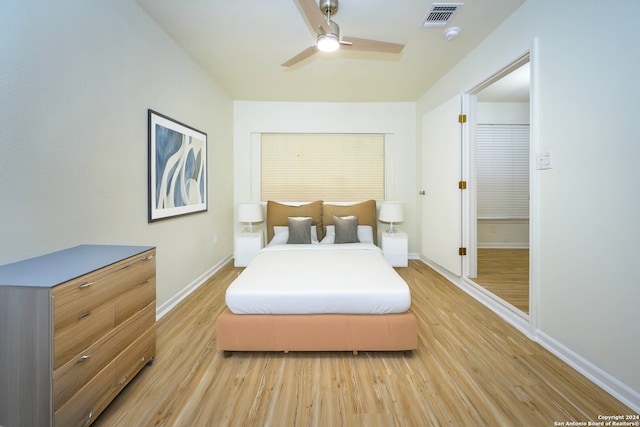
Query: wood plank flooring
point(470, 369)
point(505, 273)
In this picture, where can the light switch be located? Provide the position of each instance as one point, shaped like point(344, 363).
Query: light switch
point(544, 160)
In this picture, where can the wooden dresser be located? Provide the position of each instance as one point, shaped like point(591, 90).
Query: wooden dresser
point(75, 327)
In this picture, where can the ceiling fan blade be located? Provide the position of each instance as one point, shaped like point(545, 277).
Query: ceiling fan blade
point(301, 56)
point(314, 16)
point(355, 43)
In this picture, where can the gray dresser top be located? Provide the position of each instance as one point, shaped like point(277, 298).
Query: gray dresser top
point(55, 268)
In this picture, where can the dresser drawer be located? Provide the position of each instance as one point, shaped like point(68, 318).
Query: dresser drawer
point(86, 405)
point(134, 300)
point(86, 330)
point(74, 374)
point(135, 357)
point(85, 293)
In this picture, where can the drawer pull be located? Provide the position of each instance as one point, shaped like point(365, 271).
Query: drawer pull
point(123, 380)
point(85, 285)
point(88, 420)
point(147, 258)
point(84, 357)
point(83, 315)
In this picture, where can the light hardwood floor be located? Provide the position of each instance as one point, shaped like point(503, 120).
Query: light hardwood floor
point(470, 369)
point(505, 273)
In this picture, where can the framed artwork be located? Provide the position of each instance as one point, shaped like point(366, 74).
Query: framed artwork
point(177, 168)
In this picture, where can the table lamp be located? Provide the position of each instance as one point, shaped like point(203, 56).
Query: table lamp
point(391, 212)
point(250, 213)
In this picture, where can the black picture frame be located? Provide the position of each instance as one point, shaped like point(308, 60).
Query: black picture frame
point(177, 168)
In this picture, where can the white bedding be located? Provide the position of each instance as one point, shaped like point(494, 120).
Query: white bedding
point(311, 279)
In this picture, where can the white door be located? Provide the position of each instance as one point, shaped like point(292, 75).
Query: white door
point(442, 171)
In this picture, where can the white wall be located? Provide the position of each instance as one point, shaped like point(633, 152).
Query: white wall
point(503, 233)
point(503, 113)
point(76, 81)
point(588, 287)
point(397, 119)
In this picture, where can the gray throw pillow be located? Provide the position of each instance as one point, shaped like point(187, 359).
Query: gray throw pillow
point(299, 230)
point(346, 229)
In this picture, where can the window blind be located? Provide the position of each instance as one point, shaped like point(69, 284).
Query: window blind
point(502, 171)
point(331, 167)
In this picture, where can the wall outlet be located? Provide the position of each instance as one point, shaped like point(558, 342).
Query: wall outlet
point(544, 160)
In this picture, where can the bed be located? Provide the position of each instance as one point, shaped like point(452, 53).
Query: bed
point(321, 284)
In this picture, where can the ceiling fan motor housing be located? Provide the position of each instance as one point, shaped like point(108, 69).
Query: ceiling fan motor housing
point(329, 42)
point(335, 29)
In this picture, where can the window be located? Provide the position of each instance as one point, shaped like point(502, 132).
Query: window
point(502, 171)
point(331, 167)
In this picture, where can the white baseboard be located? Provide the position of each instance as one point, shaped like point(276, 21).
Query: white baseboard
point(611, 385)
point(187, 290)
point(514, 317)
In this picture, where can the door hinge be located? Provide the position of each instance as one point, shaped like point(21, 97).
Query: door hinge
point(462, 118)
point(462, 251)
point(462, 185)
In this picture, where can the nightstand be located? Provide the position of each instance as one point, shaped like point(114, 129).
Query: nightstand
point(395, 247)
point(248, 244)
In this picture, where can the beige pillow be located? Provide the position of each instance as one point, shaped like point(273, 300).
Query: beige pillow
point(364, 211)
point(278, 214)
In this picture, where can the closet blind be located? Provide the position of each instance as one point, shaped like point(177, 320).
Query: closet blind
point(330, 167)
point(502, 171)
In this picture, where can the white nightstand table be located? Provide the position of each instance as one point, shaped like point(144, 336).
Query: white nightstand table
point(395, 247)
point(248, 244)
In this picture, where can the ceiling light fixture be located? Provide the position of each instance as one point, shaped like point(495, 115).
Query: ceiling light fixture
point(328, 42)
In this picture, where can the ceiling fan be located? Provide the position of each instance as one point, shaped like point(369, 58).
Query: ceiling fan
point(328, 33)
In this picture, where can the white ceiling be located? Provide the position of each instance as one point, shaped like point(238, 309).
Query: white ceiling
point(241, 44)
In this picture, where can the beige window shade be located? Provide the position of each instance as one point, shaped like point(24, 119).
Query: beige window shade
point(330, 167)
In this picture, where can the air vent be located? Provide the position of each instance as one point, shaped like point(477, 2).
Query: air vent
point(440, 13)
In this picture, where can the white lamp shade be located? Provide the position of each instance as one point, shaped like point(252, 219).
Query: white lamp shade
point(391, 212)
point(250, 212)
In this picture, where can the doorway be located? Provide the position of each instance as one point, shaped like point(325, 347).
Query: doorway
point(499, 208)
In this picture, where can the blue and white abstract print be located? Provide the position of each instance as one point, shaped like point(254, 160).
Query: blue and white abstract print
point(177, 173)
point(179, 169)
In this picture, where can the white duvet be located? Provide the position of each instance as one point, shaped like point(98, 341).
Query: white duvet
point(311, 279)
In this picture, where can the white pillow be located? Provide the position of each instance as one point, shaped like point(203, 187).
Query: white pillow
point(281, 235)
point(365, 234)
point(279, 238)
point(328, 238)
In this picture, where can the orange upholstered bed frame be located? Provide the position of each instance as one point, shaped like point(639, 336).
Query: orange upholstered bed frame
point(317, 332)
